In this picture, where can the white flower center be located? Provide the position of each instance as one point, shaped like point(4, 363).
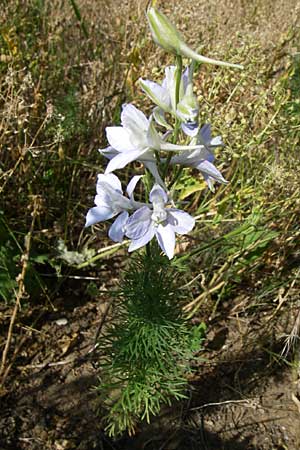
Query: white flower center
point(159, 214)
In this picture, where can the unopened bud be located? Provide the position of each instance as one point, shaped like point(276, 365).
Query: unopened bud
point(167, 37)
point(163, 32)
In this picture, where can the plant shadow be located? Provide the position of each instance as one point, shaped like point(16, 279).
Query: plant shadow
point(226, 409)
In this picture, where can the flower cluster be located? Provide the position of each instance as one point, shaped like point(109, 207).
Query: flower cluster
point(138, 139)
point(155, 142)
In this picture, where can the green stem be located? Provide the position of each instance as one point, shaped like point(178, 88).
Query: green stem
point(177, 121)
point(147, 184)
point(176, 127)
point(79, 18)
point(178, 78)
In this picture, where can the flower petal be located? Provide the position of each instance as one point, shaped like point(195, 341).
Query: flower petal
point(185, 78)
point(209, 182)
point(158, 94)
point(119, 139)
point(174, 147)
point(188, 108)
point(209, 169)
point(205, 134)
point(109, 193)
point(166, 239)
point(190, 128)
point(103, 199)
point(133, 119)
point(122, 159)
point(139, 223)
point(193, 157)
point(138, 243)
point(98, 214)
point(170, 82)
point(111, 179)
point(159, 117)
point(132, 184)
point(157, 194)
point(117, 231)
point(152, 167)
point(153, 138)
point(181, 221)
point(109, 152)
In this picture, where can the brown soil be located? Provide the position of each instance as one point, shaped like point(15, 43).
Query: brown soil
point(240, 396)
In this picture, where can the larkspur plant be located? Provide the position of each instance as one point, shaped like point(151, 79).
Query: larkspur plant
point(148, 347)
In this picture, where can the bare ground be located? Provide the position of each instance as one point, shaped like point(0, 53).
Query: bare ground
point(240, 396)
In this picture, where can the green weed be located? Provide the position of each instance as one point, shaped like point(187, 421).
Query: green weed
point(147, 348)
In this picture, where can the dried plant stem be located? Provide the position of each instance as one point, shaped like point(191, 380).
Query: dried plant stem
point(216, 283)
point(292, 338)
point(248, 402)
point(8, 175)
point(21, 291)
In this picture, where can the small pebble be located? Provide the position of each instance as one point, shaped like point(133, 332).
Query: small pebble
point(62, 321)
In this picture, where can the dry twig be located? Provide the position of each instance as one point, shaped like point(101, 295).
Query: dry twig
point(4, 371)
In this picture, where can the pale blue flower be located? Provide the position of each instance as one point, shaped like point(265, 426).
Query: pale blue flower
point(131, 141)
point(136, 139)
point(164, 96)
point(148, 160)
point(111, 202)
point(202, 158)
point(158, 221)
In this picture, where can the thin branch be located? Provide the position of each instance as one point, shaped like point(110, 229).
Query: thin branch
point(20, 293)
point(250, 402)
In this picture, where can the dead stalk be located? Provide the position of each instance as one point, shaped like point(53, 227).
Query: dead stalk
point(20, 293)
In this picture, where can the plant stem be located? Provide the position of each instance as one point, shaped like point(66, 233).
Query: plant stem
point(178, 78)
point(20, 293)
point(177, 121)
point(79, 18)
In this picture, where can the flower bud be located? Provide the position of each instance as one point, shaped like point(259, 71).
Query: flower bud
point(163, 32)
point(167, 37)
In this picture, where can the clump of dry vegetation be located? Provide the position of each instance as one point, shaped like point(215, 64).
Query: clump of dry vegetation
point(66, 68)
